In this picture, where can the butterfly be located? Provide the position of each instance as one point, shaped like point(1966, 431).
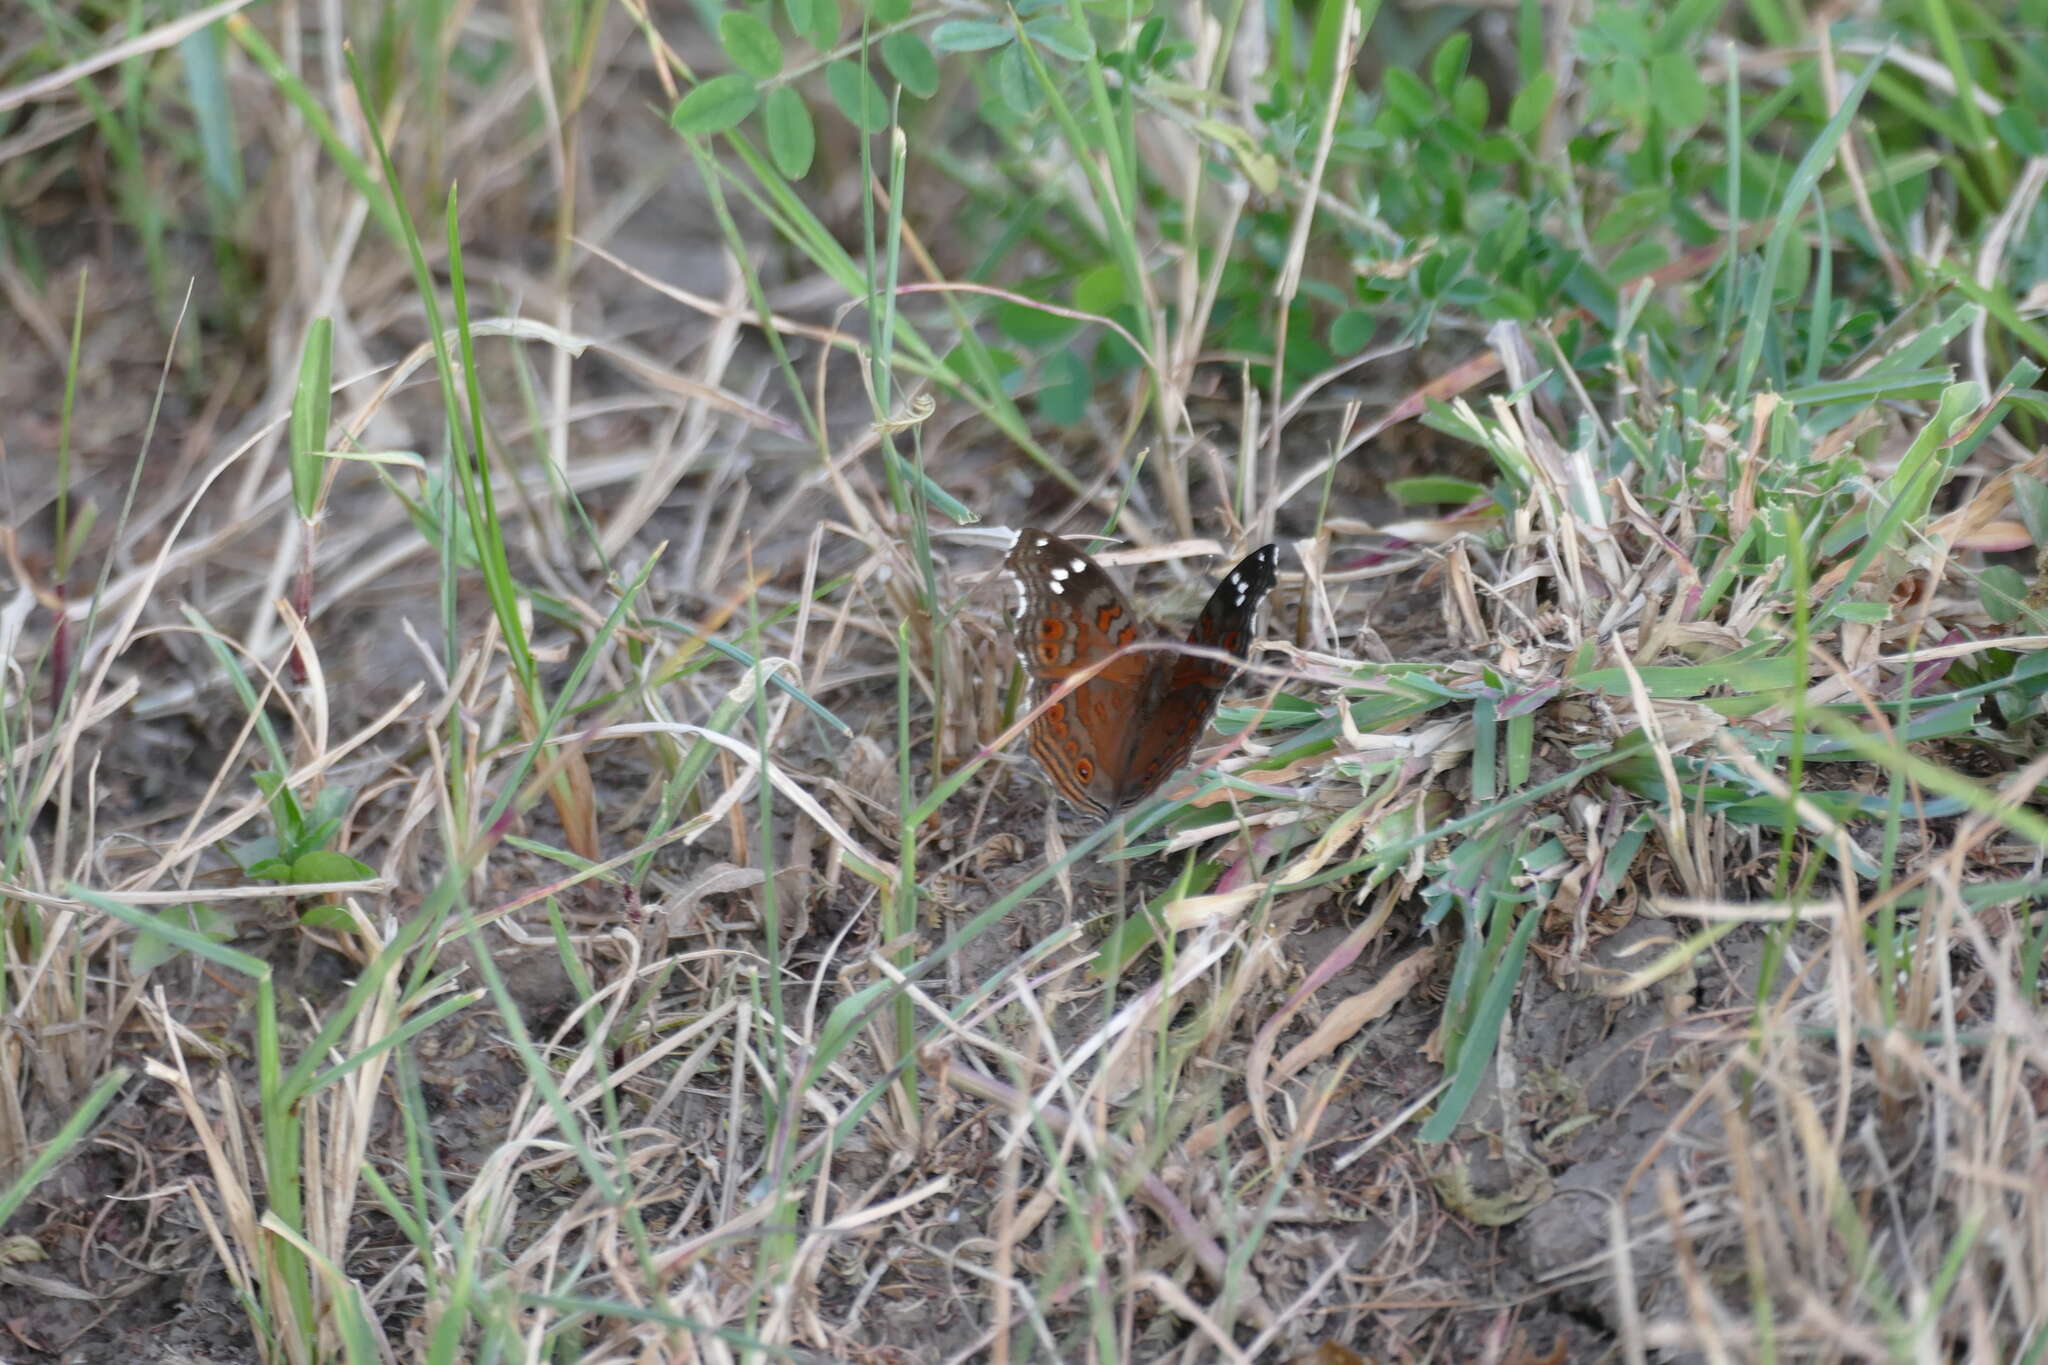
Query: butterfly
point(1117, 736)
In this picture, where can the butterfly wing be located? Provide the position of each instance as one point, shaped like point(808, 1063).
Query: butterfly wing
point(1186, 687)
point(1070, 615)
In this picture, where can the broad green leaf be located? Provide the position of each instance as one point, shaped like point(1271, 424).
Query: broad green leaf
point(2003, 593)
point(820, 24)
point(716, 105)
point(791, 138)
point(751, 44)
point(1062, 37)
point(970, 35)
point(912, 64)
point(1013, 81)
point(857, 96)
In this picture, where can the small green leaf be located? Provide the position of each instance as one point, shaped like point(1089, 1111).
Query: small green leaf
point(889, 11)
point(791, 139)
point(821, 23)
point(1350, 330)
point(1435, 488)
point(912, 64)
point(325, 865)
point(1013, 80)
point(1032, 326)
point(970, 35)
point(1100, 290)
point(1680, 94)
point(2003, 593)
point(1865, 613)
point(2030, 497)
point(2022, 131)
point(270, 870)
point(751, 44)
point(1254, 160)
point(151, 949)
point(716, 105)
point(311, 402)
point(1406, 93)
point(1063, 398)
point(1449, 63)
point(857, 96)
point(327, 916)
point(1532, 106)
point(1062, 37)
point(1471, 103)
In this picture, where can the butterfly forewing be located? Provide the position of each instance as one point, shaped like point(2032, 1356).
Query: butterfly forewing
point(1118, 735)
point(1187, 687)
point(1070, 616)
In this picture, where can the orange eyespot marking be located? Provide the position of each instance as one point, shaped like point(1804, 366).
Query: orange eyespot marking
point(1083, 769)
point(1128, 634)
point(1105, 618)
point(1049, 651)
point(1051, 627)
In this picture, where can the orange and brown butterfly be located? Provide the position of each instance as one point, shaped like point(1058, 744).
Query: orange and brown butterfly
point(1115, 738)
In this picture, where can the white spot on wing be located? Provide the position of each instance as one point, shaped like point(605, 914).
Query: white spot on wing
point(1041, 542)
point(1057, 589)
point(1078, 565)
point(1058, 575)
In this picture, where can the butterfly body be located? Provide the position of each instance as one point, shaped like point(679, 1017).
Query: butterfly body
point(1123, 731)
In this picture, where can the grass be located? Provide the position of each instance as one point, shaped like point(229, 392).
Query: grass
point(513, 840)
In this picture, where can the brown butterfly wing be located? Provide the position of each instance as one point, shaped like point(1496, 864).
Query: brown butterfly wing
point(1070, 614)
point(1184, 688)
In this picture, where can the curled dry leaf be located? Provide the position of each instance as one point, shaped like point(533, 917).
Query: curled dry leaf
point(1190, 911)
point(1529, 1185)
point(719, 879)
point(1998, 535)
point(999, 850)
point(1355, 1012)
point(1686, 724)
